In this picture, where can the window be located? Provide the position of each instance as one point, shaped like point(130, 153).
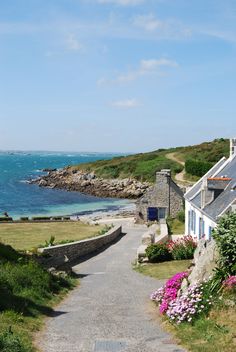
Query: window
point(189, 222)
point(161, 213)
point(193, 221)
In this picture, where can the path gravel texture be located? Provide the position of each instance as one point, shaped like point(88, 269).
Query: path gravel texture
point(110, 311)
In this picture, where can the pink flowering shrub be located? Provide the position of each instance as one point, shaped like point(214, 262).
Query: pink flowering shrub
point(230, 282)
point(188, 305)
point(183, 248)
point(169, 292)
point(185, 307)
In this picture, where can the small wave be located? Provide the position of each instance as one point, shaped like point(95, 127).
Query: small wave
point(24, 181)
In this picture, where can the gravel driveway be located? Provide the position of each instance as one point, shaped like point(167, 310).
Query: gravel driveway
point(110, 311)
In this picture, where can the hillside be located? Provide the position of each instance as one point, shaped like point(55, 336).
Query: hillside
point(143, 166)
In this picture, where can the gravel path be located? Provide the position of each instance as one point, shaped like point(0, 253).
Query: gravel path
point(110, 311)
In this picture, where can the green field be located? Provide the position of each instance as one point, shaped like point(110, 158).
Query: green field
point(145, 165)
point(25, 236)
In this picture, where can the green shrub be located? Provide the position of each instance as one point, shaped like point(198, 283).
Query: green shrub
point(50, 242)
point(40, 218)
point(181, 216)
point(7, 253)
point(56, 218)
point(225, 236)
point(5, 218)
point(24, 218)
point(158, 253)
point(105, 229)
point(196, 167)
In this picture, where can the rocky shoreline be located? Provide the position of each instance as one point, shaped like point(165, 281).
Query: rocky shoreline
point(87, 182)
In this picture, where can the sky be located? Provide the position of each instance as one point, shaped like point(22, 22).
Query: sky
point(116, 75)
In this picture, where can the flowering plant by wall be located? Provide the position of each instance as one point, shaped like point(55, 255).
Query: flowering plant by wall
point(169, 292)
point(183, 307)
point(183, 248)
point(230, 283)
point(189, 304)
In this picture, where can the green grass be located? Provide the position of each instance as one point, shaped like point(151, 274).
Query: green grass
point(145, 165)
point(27, 295)
point(213, 333)
point(164, 270)
point(25, 236)
point(176, 227)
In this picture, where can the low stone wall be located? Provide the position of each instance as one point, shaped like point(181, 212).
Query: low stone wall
point(164, 235)
point(151, 237)
point(57, 256)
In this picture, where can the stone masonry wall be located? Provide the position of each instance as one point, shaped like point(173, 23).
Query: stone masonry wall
point(158, 196)
point(56, 256)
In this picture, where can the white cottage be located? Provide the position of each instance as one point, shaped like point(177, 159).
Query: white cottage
point(211, 197)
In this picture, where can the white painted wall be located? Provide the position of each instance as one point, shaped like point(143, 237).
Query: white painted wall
point(207, 222)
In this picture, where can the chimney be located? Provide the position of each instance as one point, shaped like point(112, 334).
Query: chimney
point(232, 147)
point(207, 195)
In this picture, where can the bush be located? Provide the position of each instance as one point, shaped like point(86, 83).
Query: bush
point(197, 168)
point(166, 294)
point(56, 218)
point(225, 236)
point(158, 253)
point(24, 218)
point(182, 248)
point(5, 218)
point(41, 218)
point(7, 253)
point(181, 216)
point(10, 342)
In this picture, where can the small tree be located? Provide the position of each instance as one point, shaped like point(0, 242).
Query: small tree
point(225, 237)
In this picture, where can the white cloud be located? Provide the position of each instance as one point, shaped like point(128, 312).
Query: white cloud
point(158, 29)
point(121, 2)
point(145, 67)
point(153, 64)
point(126, 104)
point(148, 22)
point(72, 43)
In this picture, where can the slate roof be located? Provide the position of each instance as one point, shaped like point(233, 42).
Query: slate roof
point(224, 168)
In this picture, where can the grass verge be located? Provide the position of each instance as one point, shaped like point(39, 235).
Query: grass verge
point(164, 270)
point(176, 227)
point(27, 295)
point(25, 236)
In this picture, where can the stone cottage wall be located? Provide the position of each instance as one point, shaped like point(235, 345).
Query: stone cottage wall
point(158, 196)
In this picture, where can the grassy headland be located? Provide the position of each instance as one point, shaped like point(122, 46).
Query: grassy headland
point(144, 166)
point(25, 236)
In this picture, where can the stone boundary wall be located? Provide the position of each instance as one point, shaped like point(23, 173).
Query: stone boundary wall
point(164, 235)
point(56, 256)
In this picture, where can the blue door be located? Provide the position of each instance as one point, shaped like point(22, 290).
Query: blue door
point(152, 214)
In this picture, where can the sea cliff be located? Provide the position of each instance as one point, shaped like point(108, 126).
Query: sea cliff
point(87, 182)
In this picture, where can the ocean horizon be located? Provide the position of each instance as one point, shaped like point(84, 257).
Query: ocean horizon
point(19, 198)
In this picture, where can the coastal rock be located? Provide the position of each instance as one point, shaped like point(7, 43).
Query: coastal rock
point(71, 179)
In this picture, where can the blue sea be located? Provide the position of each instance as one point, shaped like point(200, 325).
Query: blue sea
point(19, 198)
